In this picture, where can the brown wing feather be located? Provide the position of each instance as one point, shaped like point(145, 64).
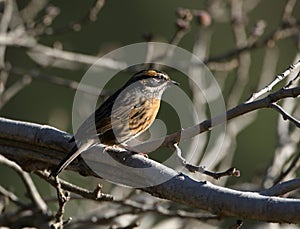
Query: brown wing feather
point(110, 119)
point(120, 118)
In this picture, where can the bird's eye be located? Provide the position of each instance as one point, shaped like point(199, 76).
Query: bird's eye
point(160, 76)
point(157, 79)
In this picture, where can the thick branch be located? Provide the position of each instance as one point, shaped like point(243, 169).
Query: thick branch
point(40, 147)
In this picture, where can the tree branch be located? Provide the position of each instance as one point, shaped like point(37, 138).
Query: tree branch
point(32, 191)
point(284, 30)
point(282, 188)
point(277, 80)
point(206, 125)
point(285, 115)
point(20, 39)
point(42, 146)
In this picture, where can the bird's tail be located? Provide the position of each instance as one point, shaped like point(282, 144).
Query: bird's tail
point(66, 161)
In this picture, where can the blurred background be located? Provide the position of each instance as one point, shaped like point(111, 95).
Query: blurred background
point(245, 44)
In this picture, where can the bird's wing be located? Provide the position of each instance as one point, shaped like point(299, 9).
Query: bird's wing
point(114, 112)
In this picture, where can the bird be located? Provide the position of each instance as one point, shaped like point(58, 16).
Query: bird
point(124, 115)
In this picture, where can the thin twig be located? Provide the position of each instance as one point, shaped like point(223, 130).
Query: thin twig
point(72, 84)
point(277, 80)
point(182, 28)
point(19, 39)
point(293, 165)
point(32, 191)
point(31, 10)
point(63, 198)
point(11, 196)
point(14, 89)
point(285, 115)
point(288, 10)
point(4, 25)
point(6, 16)
point(89, 16)
point(201, 169)
point(139, 208)
point(158, 209)
point(90, 221)
point(96, 194)
point(283, 31)
point(292, 81)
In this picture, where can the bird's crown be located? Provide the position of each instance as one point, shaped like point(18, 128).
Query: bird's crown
point(151, 74)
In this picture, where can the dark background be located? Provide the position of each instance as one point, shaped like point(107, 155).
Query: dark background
point(121, 23)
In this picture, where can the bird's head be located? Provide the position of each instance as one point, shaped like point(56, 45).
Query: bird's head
point(153, 79)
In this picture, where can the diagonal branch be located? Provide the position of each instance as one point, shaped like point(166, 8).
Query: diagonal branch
point(282, 188)
point(38, 145)
point(32, 191)
point(96, 194)
point(277, 80)
point(239, 110)
point(11, 196)
point(282, 31)
point(285, 115)
point(20, 39)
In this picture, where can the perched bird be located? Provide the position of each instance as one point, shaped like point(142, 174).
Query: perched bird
point(123, 116)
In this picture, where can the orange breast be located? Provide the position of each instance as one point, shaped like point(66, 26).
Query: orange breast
point(143, 116)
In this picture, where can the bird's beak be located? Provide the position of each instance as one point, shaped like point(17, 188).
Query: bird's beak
point(175, 83)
